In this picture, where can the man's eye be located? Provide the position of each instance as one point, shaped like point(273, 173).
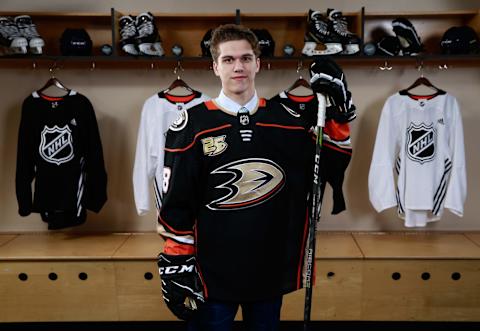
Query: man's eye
point(227, 60)
point(247, 59)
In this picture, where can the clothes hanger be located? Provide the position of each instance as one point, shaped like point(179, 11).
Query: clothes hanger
point(179, 82)
point(422, 80)
point(300, 82)
point(53, 81)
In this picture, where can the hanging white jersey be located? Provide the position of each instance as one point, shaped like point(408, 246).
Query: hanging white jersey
point(420, 143)
point(158, 113)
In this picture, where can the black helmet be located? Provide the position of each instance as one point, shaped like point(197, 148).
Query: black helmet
point(265, 41)
point(205, 43)
point(460, 40)
point(75, 42)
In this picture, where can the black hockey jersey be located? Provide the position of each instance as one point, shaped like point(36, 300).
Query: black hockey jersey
point(236, 187)
point(336, 147)
point(59, 146)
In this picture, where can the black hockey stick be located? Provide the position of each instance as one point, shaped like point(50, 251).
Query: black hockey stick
point(315, 210)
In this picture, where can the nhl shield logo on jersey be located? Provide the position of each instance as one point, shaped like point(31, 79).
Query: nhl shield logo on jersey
point(421, 142)
point(180, 122)
point(56, 144)
point(252, 182)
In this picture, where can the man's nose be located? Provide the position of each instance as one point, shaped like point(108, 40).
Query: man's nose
point(238, 65)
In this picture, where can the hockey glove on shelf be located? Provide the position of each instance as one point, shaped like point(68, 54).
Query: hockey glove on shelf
point(181, 284)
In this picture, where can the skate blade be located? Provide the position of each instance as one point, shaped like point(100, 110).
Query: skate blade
point(351, 49)
point(130, 49)
point(150, 49)
point(36, 50)
point(18, 50)
point(314, 49)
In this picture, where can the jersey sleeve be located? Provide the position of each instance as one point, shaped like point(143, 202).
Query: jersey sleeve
point(181, 175)
point(96, 175)
point(381, 181)
point(25, 171)
point(457, 187)
point(145, 159)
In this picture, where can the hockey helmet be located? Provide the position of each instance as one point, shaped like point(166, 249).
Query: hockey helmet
point(265, 41)
point(460, 40)
point(75, 42)
point(205, 43)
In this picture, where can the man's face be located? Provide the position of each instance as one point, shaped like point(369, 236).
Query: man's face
point(236, 66)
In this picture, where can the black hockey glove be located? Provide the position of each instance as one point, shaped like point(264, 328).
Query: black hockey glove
point(328, 78)
point(181, 284)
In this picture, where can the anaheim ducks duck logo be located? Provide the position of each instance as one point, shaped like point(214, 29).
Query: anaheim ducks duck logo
point(180, 122)
point(253, 182)
point(56, 144)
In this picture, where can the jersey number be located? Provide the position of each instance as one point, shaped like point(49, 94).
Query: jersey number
point(167, 172)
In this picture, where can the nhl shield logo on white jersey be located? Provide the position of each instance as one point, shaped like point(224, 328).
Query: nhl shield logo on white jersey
point(421, 142)
point(56, 144)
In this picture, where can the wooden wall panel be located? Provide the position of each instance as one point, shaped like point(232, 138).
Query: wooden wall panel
point(412, 298)
point(139, 296)
point(336, 296)
point(68, 298)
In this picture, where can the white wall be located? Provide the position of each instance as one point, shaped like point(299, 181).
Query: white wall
point(118, 95)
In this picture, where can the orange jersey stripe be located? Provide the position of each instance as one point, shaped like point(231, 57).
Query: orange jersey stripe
point(301, 98)
point(46, 97)
point(180, 98)
point(173, 150)
point(281, 126)
point(172, 230)
point(173, 248)
point(338, 149)
point(337, 131)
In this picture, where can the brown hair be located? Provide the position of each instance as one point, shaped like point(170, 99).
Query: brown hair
point(229, 32)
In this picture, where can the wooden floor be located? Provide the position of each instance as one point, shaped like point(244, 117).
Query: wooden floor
point(380, 277)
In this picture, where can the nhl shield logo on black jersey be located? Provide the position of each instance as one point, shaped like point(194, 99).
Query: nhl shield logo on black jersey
point(252, 182)
point(421, 142)
point(56, 144)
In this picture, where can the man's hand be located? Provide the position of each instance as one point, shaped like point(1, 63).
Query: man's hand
point(181, 284)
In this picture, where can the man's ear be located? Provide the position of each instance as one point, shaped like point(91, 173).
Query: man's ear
point(215, 69)
point(258, 64)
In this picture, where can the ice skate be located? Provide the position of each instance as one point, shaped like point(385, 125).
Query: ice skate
point(318, 39)
point(128, 33)
point(11, 40)
point(148, 40)
point(29, 31)
point(339, 27)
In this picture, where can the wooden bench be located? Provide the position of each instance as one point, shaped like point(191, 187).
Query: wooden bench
point(360, 276)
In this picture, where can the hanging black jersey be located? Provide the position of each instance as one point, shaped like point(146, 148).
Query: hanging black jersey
point(236, 186)
point(336, 147)
point(59, 146)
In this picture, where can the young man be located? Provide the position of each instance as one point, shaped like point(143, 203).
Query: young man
point(234, 215)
